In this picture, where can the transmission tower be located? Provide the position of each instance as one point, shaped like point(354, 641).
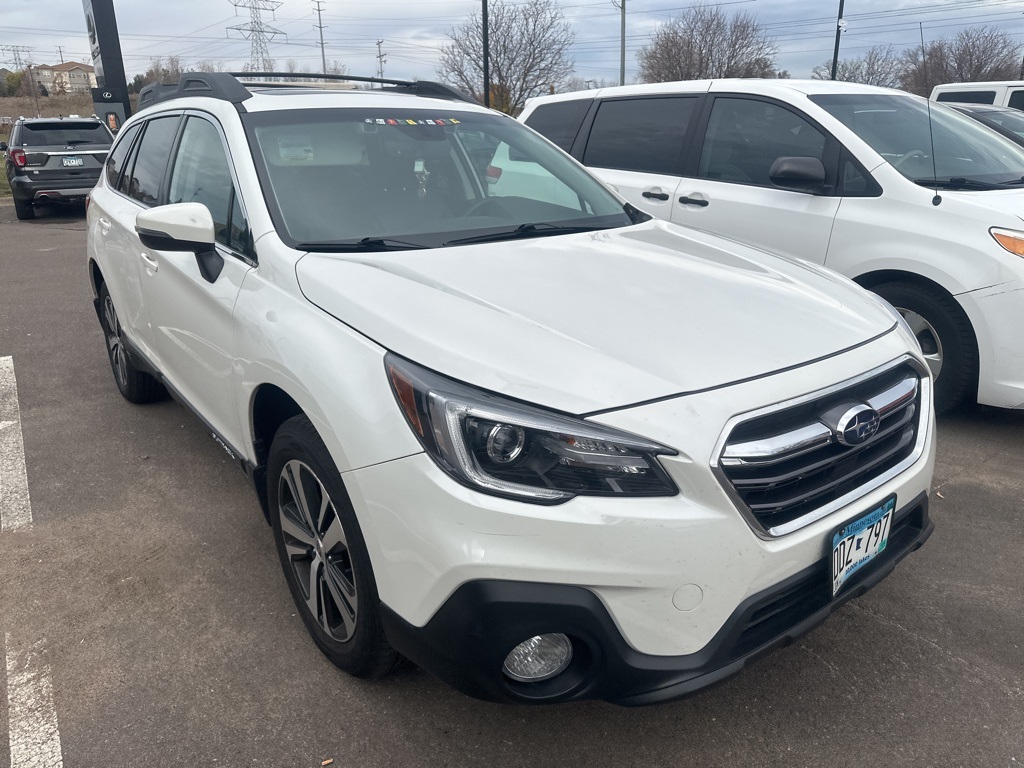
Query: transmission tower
point(257, 33)
point(14, 53)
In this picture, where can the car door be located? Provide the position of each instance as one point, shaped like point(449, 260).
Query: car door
point(135, 189)
point(727, 190)
point(190, 318)
point(636, 144)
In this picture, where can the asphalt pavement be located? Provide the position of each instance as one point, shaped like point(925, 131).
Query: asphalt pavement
point(145, 621)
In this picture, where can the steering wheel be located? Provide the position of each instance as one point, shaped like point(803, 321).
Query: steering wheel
point(913, 154)
point(480, 207)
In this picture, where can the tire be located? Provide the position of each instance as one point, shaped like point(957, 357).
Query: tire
point(24, 210)
point(134, 385)
point(946, 337)
point(323, 554)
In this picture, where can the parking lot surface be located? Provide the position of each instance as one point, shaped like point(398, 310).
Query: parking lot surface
point(144, 619)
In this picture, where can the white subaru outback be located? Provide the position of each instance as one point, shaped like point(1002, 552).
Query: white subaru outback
point(541, 445)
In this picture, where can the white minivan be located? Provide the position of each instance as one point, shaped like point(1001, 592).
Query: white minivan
point(917, 202)
point(1002, 93)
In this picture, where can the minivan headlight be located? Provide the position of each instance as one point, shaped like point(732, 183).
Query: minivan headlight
point(507, 448)
point(1010, 239)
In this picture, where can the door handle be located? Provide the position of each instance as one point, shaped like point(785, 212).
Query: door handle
point(104, 223)
point(655, 195)
point(694, 201)
point(151, 264)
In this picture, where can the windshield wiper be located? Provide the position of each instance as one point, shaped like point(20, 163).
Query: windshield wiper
point(957, 182)
point(539, 229)
point(363, 244)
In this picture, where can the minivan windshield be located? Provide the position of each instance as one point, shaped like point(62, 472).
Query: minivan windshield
point(395, 179)
point(898, 127)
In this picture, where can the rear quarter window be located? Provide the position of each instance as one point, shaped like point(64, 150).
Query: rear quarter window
point(968, 97)
point(559, 122)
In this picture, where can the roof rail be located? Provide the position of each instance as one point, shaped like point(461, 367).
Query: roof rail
point(226, 86)
point(417, 87)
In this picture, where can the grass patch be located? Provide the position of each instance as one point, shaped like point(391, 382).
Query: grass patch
point(5, 188)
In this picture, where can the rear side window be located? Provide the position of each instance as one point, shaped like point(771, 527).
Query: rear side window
point(116, 160)
point(968, 97)
point(151, 160)
point(1016, 100)
point(559, 122)
point(64, 134)
point(639, 134)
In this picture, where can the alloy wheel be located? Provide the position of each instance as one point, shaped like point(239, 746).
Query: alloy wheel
point(927, 337)
point(317, 550)
point(115, 345)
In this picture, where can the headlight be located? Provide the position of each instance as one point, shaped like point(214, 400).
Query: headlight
point(1011, 240)
point(901, 322)
point(511, 449)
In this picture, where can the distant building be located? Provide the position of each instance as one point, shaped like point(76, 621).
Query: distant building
point(69, 77)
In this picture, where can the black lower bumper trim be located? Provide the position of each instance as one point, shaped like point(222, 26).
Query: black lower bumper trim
point(466, 641)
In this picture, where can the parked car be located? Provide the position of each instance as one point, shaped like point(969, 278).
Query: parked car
point(841, 175)
point(1006, 121)
point(1002, 93)
point(543, 445)
point(53, 160)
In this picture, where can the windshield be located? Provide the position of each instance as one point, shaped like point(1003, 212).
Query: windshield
point(392, 178)
point(897, 127)
point(1010, 119)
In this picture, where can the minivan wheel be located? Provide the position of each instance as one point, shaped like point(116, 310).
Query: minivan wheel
point(134, 385)
point(23, 210)
point(946, 338)
point(323, 554)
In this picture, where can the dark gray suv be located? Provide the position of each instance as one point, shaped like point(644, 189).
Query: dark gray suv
point(54, 160)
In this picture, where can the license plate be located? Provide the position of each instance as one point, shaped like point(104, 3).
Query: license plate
point(860, 542)
point(71, 162)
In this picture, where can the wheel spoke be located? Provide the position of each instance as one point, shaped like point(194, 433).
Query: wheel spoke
point(294, 528)
point(934, 362)
point(917, 323)
point(110, 315)
point(293, 476)
point(343, 594)
point(334, 535)
point(313, 602)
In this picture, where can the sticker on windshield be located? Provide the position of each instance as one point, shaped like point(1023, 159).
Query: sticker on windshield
point(296, 148)
point(437, 121)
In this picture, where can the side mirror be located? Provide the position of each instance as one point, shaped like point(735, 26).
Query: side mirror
point(182, 227)
point(799, 174)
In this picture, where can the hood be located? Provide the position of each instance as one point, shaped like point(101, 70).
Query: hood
point(599, 320)
point(1010, 201)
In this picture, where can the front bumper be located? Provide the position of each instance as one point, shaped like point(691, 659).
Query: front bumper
point(466, 641)
point(997, 314)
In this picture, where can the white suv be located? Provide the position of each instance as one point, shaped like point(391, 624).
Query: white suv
point(911, 199)
point(542, 445)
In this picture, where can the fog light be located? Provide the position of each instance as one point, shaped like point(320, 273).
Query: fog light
point(538, 658)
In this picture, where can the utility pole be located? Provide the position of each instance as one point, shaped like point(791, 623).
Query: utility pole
point(60, 52)
point(381, 59)
point(840, 26)
point(320, 25)
point(487, 61)
point(32, 87)
point(622, 44)
point(257, 33)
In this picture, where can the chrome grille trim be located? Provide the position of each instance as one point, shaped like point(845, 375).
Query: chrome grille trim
point(756, 454)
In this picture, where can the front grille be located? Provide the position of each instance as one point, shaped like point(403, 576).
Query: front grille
point(786, 465)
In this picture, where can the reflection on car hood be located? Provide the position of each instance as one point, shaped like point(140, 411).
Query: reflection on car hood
point(599, 320)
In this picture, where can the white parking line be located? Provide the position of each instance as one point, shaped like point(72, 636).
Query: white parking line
point(15, 508)
point(34, 735)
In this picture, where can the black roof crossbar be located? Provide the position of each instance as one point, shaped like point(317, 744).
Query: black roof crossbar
point(226, 86)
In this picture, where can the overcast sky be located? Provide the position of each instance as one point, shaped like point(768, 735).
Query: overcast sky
point(411, 31)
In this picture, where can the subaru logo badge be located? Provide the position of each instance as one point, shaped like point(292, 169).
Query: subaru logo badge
point(857, 425)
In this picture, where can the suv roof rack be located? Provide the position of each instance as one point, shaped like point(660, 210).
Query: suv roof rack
point(227, 87)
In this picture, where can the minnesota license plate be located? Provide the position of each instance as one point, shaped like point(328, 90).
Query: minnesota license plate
point(860, 542)
point(72, 162)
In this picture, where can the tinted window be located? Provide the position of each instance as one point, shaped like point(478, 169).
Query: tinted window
point(746, 136)
point(151, 159)
point(202, 175)
point(1016, 100)
point(639, 134)
point(116, 160)
point(968, 97)
point(64, 134)
point(559, 122)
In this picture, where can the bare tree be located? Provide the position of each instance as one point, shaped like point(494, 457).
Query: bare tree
point(704, 41)
point(529, 53)
point(879, 66)
point(976, 53)
point(577, 83)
